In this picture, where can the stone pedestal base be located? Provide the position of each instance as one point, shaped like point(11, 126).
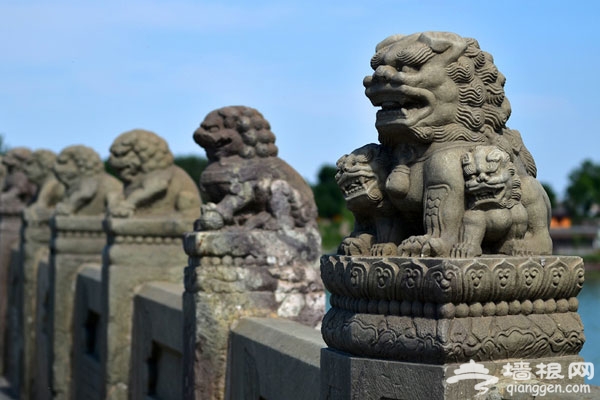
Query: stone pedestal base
point(77, 240)
point(139, 251)
point(10, 226)
point(344, 376)
point(235, 274)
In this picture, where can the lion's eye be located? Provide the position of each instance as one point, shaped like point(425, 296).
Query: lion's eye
point(213, 129)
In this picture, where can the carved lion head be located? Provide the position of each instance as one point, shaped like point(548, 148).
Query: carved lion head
point(15, 158)
point(361, 176)
point(39, 165)
point(75, 163)
point(435, 87)
point(138, 152)
point(490, 178)
point(236, 131)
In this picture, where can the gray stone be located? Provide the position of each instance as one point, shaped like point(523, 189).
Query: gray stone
point(157, 344)
point(89, 189)
point(255, 245)
point(87, 315)
point(145, 227)
point(447, 164)
point(450, 257)
point(273, 359)
point(34, 244)
point(153, 184)
point(17, 192)
point(77, 241)
point(347, 377)
point(78, 238)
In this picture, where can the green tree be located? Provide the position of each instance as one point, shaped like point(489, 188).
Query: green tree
point(3, 146)
point(551, 194)
point(583, 192)
point(328, 196)
point(192, 164)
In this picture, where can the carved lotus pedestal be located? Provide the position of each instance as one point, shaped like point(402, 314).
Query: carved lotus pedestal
point(425, 316)
point(237, 273)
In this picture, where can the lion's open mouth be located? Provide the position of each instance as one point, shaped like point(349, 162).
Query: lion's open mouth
point(392, 110)
point(401, 104)
point(355, 186)
point(487, 194)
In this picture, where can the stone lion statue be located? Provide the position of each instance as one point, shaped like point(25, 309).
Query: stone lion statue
point(89, 189)
point(154, 185)
point(245, 182)
point(440, 95)
point(494, 215)
point(18, 191)
point(38, 169)
point(361, 176)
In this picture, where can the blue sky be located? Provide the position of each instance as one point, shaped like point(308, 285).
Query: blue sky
point(82, 72)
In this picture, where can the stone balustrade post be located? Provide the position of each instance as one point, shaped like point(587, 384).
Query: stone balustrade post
point(447, 287)
point(254, 249)
point(145, 228)
point(17, 192)
point(77, 240)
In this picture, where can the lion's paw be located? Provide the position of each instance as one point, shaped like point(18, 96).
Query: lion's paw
point(63, 209)
point(423, 246)
point(356, 246)
point(384, 249)
point(123, 209)
point(465, 250)
point(413, 246)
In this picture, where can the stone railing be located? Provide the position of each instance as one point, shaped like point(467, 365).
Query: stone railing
point(142, 292)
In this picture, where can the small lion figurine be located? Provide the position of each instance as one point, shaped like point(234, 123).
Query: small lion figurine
point(38, 169)
point(246, 184)
point(89, 189)
point(154, 185)
point(361, 175)
point(496, 220)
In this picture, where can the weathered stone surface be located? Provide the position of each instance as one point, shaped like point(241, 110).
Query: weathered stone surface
point(87, 315)
point(77, 241)
point(245, 182)
point(13, 350)
point(153, 184)
point(273, 358)
point(255, 246)
point(89, 189)
point(450, 257)
point(444, 142)
point(78, 238)
point(145, 229)
point(348, 377)
point(453, 310)
point(38, 169)
point(132, 260)
point(35, 240)
point(157, 342)
point(17, 193)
